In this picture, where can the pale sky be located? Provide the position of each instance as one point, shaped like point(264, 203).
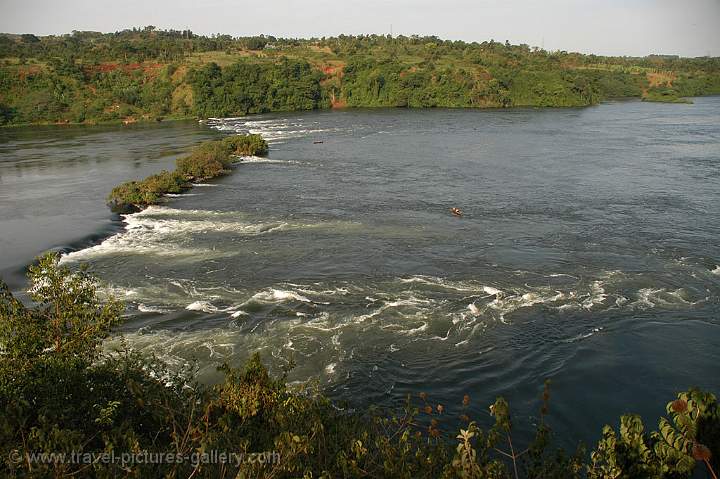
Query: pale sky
point(606, 27)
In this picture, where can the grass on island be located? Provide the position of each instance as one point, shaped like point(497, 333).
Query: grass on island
point(208, 160)
point(61, 394)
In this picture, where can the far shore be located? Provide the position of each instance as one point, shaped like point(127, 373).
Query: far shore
point(149, 121)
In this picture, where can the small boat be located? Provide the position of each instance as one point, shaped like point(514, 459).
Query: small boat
point(456, 212)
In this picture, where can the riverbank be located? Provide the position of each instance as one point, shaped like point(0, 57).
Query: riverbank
point(113, 122)
point(651, 98)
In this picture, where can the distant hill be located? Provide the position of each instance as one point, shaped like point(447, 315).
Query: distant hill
point(150, 74)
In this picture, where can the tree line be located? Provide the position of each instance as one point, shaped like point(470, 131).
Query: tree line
point(148, 74)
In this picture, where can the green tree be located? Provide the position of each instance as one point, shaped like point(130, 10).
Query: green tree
point(69, 322)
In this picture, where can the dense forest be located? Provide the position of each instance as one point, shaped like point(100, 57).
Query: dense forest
point(150, 74)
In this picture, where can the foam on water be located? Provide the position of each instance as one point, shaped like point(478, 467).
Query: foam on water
point(498, 301)
point(443, 283)
point(258, 159)
point(491, 290)
point(326, 322)
point(272, 130)
point(596, 295)
point(583, 336)
point(205, 306)
point(145, 308)
point(341, 302)
point(654, 297)
point(163, 211)
point(167, 232)
point(278, 295)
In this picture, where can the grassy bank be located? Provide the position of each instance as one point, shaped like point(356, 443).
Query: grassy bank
point(208, 160)
point(62, 399)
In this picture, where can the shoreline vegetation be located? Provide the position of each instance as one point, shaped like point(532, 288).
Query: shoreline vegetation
point(146, 74)
point(65, 404)
point(208, 160)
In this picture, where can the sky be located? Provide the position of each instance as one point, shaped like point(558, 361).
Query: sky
point(605, 27)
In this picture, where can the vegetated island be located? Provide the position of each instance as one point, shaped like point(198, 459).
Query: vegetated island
point(67, 408)
point(210, 159)
point(149, 74)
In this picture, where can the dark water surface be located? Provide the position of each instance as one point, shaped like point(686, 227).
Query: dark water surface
point(588, 252)
point(54, 180)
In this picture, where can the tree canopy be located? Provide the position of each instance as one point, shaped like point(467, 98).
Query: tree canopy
point(151, 74)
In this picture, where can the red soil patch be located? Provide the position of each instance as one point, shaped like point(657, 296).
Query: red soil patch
point(412, 69)
point(24, 72)
point(334, 70)
point(660, 78)
point(337, 102)
point(483, 75)
point(104, 68)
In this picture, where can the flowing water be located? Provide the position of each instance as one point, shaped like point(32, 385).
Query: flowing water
point(588, 252)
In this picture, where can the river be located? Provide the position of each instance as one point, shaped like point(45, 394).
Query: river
point(588, 251)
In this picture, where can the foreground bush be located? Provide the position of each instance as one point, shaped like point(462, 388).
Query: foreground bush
point(208, 160)
point(60, 394)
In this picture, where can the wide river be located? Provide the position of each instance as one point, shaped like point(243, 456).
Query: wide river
point(588, 253)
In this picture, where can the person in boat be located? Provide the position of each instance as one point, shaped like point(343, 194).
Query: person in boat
point(456, 211)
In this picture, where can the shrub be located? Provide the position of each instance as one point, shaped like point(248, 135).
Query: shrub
point(164, 182)
point(213, 158)
point(130, 194)
point(146, 192)
point(691, 434)
point(208, 160)
point(246, 145)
